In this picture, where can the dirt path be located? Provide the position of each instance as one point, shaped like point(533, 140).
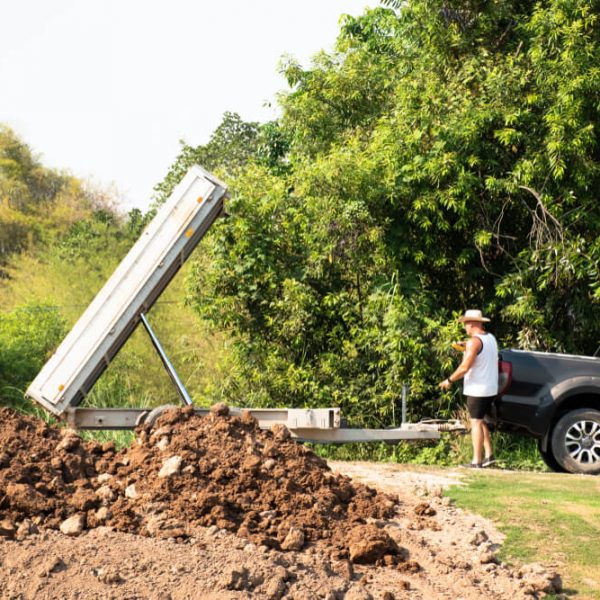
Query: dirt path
point(400, 479)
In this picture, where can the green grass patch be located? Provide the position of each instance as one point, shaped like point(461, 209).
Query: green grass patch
point(548, 518)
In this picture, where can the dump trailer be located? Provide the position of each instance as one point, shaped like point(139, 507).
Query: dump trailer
point(122, 304)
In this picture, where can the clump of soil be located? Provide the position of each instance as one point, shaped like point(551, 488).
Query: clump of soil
point(225, 471)
point(185, 471)
point(45, 473)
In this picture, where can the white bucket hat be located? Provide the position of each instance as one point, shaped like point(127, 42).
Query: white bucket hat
point(473, 315)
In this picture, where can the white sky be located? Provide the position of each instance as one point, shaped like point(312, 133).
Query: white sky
point(107, 88)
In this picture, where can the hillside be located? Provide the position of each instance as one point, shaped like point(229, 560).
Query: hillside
point(59, 242)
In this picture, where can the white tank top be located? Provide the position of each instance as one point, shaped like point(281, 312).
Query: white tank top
point(482, 378)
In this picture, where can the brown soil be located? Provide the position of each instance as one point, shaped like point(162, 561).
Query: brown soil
point(46, 474)
point(216, 507)
point(259, 484)
point(224, 471)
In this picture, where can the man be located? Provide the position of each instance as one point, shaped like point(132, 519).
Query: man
point(479, 368)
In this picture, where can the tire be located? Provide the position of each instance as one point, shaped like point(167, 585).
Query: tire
point(153, 415)
point(549, 459)
point(576, 441)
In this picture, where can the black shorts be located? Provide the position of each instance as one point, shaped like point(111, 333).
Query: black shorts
point(478, 406)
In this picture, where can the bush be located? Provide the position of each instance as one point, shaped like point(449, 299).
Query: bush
point(28, 334)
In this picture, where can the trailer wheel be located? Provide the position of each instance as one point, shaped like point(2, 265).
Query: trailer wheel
point(153, 415)
point(576, 441)
point(549, 459)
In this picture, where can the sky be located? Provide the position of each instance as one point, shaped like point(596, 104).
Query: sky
point(105, 89)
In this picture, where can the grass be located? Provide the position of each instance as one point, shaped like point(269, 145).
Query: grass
point(548, 518)
point(122, 439)
point(513, 451)
point(136, 376)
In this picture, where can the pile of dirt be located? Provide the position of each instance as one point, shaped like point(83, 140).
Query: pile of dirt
point(225, 471)
point(228, 510)
point(188, 471)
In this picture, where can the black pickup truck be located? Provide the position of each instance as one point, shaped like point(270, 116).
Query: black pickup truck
point(556, 399)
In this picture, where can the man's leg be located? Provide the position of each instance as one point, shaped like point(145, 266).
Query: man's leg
point(477, 439)
point(487, 440)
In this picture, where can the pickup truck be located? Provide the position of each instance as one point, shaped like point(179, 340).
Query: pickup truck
point(556, 399)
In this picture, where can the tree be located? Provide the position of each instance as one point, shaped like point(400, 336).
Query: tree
point(443, 156)
point(228, 150)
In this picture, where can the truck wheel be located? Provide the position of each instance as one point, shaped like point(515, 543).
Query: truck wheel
point(153, 415)
point(576, 441)
point(549, 459)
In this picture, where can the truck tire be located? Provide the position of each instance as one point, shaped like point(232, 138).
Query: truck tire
point(576, 441)
point(153, 415)
point(549, 459)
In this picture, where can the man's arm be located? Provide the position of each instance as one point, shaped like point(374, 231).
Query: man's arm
point(473, 348)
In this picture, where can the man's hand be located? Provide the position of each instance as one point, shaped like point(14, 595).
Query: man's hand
point(445, 384)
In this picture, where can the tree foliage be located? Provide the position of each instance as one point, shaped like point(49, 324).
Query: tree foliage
point(443, 156)
point(233, 144)
point(36, 203)
point(228, 149)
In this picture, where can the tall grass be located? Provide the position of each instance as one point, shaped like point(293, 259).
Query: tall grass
point(136, 377)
